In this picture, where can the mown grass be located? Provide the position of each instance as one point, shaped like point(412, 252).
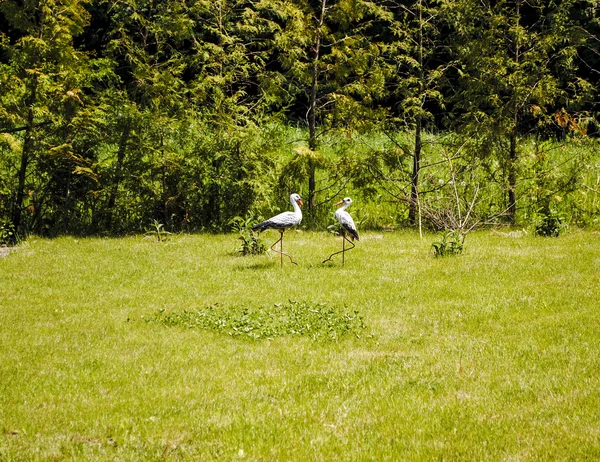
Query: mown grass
point(491, 355)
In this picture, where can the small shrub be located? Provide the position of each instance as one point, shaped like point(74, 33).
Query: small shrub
point(7, 234)
point(251, 244)
point(550, 224)
point(452, 243)
point(335, 228)
point(158, 232)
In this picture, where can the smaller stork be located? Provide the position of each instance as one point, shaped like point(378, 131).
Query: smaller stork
point(282, 222)
point(348, 226)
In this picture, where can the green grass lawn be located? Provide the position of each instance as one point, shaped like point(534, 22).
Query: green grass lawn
point(490, 355)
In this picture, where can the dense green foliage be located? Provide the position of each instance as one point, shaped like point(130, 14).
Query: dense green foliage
point(114, 115)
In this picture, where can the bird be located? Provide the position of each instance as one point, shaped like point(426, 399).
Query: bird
point(348, 226)
point(282, 222)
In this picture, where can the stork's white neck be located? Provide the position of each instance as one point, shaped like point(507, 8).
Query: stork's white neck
point(344, 207)
point(297, 209)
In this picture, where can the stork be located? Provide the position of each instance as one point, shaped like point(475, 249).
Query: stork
point(282, 222)
point(348, 226)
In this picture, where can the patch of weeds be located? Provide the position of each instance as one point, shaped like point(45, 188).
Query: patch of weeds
point(158, 232)
point(7, 234)
point(452, 243)
point(335, 229)
point(550, 223)
point(315, 320)
point(251, 244)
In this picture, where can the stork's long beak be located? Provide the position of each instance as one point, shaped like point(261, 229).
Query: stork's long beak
point(339, 203)
point(300, 202)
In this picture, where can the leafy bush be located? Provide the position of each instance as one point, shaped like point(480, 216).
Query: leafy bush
point(452, 243)
point(315, 320)
point(158, 232)
point(550, 224)
point(7, 234)
point(251, 244)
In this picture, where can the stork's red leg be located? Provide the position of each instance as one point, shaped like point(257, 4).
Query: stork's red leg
point(281, 252)
point(343, 248)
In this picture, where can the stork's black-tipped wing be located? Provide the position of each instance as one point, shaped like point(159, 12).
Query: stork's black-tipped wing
point(282, 221)
point(353, 232)
point(347, 223)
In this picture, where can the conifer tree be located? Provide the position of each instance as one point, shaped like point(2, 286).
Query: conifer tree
point(41, 78)
point(416, 54)
point(516, 68)
point(332, 68)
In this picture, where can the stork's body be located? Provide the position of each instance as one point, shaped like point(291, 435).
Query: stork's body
point(348, 226)
point(345, 219)
point(282, 222)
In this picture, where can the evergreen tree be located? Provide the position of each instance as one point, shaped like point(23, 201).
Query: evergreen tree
point(515, 69)
point(416, 52)
point(332, 67)
point(41, 77)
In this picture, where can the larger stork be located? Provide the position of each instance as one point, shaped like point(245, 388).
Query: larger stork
point(348, 226)
point(282, 222)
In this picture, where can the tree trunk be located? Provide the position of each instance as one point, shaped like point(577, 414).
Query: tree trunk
point(312, 110)
point(28, 143)
point(512, 176)
point(70, 111)
point(512, 155)
point(66, 205)
point(165, 191)
point(118, 171)
point(165, 196)
point(414, 184)
point(25, 157)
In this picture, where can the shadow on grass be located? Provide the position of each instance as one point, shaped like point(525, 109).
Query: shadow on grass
point(312, 265)
point(337, 266)
point(257, 266)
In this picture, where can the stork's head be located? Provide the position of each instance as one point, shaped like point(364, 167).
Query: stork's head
point(296, 198)
point(346, 201)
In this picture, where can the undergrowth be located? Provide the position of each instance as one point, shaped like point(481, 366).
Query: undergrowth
point(451, 243)
point(250, 242)
point(7, 233)
point(315, 320)
point(550, 223)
